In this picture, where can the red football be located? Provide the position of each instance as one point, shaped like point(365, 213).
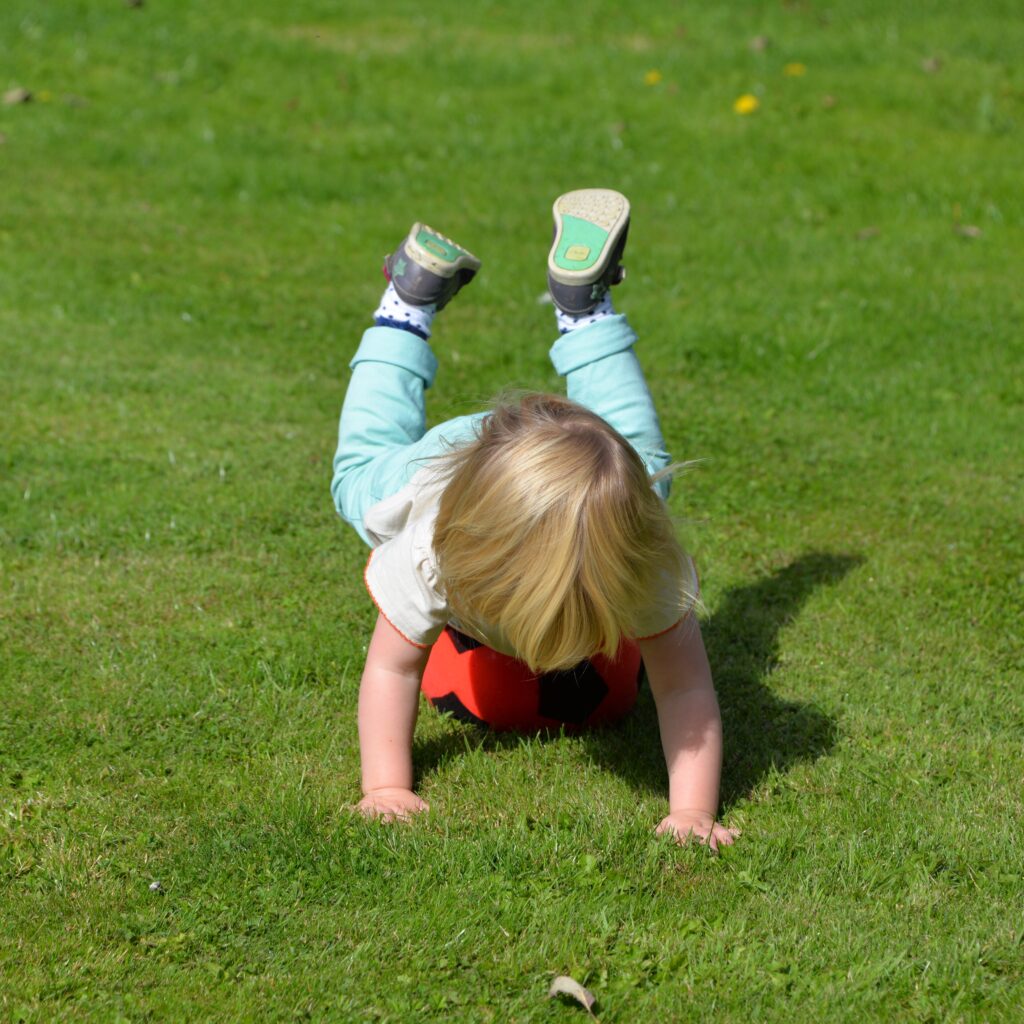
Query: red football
point(475, 684)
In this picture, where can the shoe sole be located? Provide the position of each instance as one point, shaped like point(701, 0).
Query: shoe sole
point(440, 255)
point(588, 226)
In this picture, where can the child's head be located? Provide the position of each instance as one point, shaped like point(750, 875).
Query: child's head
point(549, 529)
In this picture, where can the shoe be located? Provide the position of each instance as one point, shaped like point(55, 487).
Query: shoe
point(591, 225)
point(429, 268)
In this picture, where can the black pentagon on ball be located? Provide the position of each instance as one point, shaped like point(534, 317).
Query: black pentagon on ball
point(451, 705)
point(462, 642)
point(571, 696)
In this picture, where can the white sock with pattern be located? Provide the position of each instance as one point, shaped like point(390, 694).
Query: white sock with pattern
point(394, 312)
point(567, 322)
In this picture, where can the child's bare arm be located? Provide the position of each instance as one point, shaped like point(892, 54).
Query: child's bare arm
point(388, 702)
point(691, 731)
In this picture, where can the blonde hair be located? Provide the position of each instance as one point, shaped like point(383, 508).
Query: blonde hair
point(549, 530)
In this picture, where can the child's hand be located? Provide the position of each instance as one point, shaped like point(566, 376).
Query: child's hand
point(392, 803)
point(685, 825)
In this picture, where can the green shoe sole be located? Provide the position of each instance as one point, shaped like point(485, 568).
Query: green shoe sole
point(428, 268)
point(438, 254)
point(590, 234)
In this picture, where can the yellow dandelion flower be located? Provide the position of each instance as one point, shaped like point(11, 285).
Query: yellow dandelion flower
point(795, 70)
point(746, 104)
point(652, 77)
point(45, 95)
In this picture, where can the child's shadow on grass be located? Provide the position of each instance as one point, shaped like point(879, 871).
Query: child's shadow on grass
point(761, 730)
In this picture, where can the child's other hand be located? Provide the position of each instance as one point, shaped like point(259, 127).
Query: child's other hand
point(684, 825)
point(391, 803)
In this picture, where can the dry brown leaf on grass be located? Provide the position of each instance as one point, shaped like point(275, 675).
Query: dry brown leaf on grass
point(759, 44)
point(563, 985)
point(17, 95)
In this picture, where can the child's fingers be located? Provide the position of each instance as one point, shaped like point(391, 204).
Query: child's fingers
point(711, 836)
point(390, 809)
point(722, 836)
point(676, 832)
point(386, 813)
point(683, 837)
point(400, 812)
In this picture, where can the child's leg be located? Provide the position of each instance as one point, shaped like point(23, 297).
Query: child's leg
point(603, 373)
point(382, 436)
point(595, 350)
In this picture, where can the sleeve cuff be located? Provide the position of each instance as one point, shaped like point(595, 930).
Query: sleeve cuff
point(399, 348)
point(586, 345)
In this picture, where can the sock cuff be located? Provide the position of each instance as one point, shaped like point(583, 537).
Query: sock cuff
point(401, 325)
point(393, 311)
point(568, 322)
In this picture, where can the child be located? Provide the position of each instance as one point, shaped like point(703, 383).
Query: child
point(538, 529)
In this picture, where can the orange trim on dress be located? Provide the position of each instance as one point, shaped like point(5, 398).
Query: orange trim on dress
point(366, 583)
point(654, 636)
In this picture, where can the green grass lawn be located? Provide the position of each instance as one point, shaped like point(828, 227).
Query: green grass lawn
point(193, 208)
